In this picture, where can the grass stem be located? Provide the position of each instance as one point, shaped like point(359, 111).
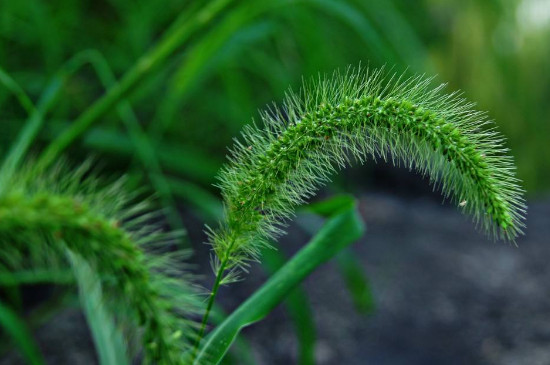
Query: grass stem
point(173, 39)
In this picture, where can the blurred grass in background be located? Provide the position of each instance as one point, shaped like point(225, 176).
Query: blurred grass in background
point(496, 51)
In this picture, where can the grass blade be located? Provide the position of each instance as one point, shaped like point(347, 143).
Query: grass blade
point(36, 119)
point(16, 328)
point(350, 268)
point(108, 340)
point(36, 276)
point(172, 40)
point(241, 353)
point(141, 143)
point(356, 281)
point(298, 308)
point(177, 159)
point(27, 134)
point(20, 94)
point(337, 233)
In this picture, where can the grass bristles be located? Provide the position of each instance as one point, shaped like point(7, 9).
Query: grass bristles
point(356, 115)
point(44, 217)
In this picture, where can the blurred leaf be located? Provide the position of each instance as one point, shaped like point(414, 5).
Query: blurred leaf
point(241, 353)
point(350, 268)
point(355, 19)
point(108, 339)
point(35, 120)
point(179, 159)
point(208, 206)
point(299, 309)
point(36, 276)
point(17, 330)
point(326, 208)
point(356, 281)
point(145, 151)
point(15, 89)
point(398, 33)
point(203, 56)
point(173, 38)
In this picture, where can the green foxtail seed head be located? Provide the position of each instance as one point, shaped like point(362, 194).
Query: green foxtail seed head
point(353, 116)
point(47, 216)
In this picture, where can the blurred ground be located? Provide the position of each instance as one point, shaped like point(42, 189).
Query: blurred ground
point(445, 295)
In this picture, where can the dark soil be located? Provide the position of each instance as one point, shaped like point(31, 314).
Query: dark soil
point(444, 295)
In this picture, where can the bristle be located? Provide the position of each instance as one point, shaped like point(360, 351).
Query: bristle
point(46, 216)
point(361, 114)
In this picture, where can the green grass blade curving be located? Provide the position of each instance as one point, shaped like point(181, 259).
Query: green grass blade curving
point(36, 119)
point(349, 266)
point(141, 143)
point(17, 330)
point(241, 353)
point(299, 309)
point(338, 232)
point(150, 61)
point(356, 281)
point(108, 339)
point(20, 94)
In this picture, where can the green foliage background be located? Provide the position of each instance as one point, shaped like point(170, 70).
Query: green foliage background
point(496, 51)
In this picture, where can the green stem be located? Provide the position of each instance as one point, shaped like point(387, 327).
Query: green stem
point(36, 119)
point(173, 38)
point(17, 91)
point(211, 300)
point(339, 232)
point(27, 135)
point(141, 143)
